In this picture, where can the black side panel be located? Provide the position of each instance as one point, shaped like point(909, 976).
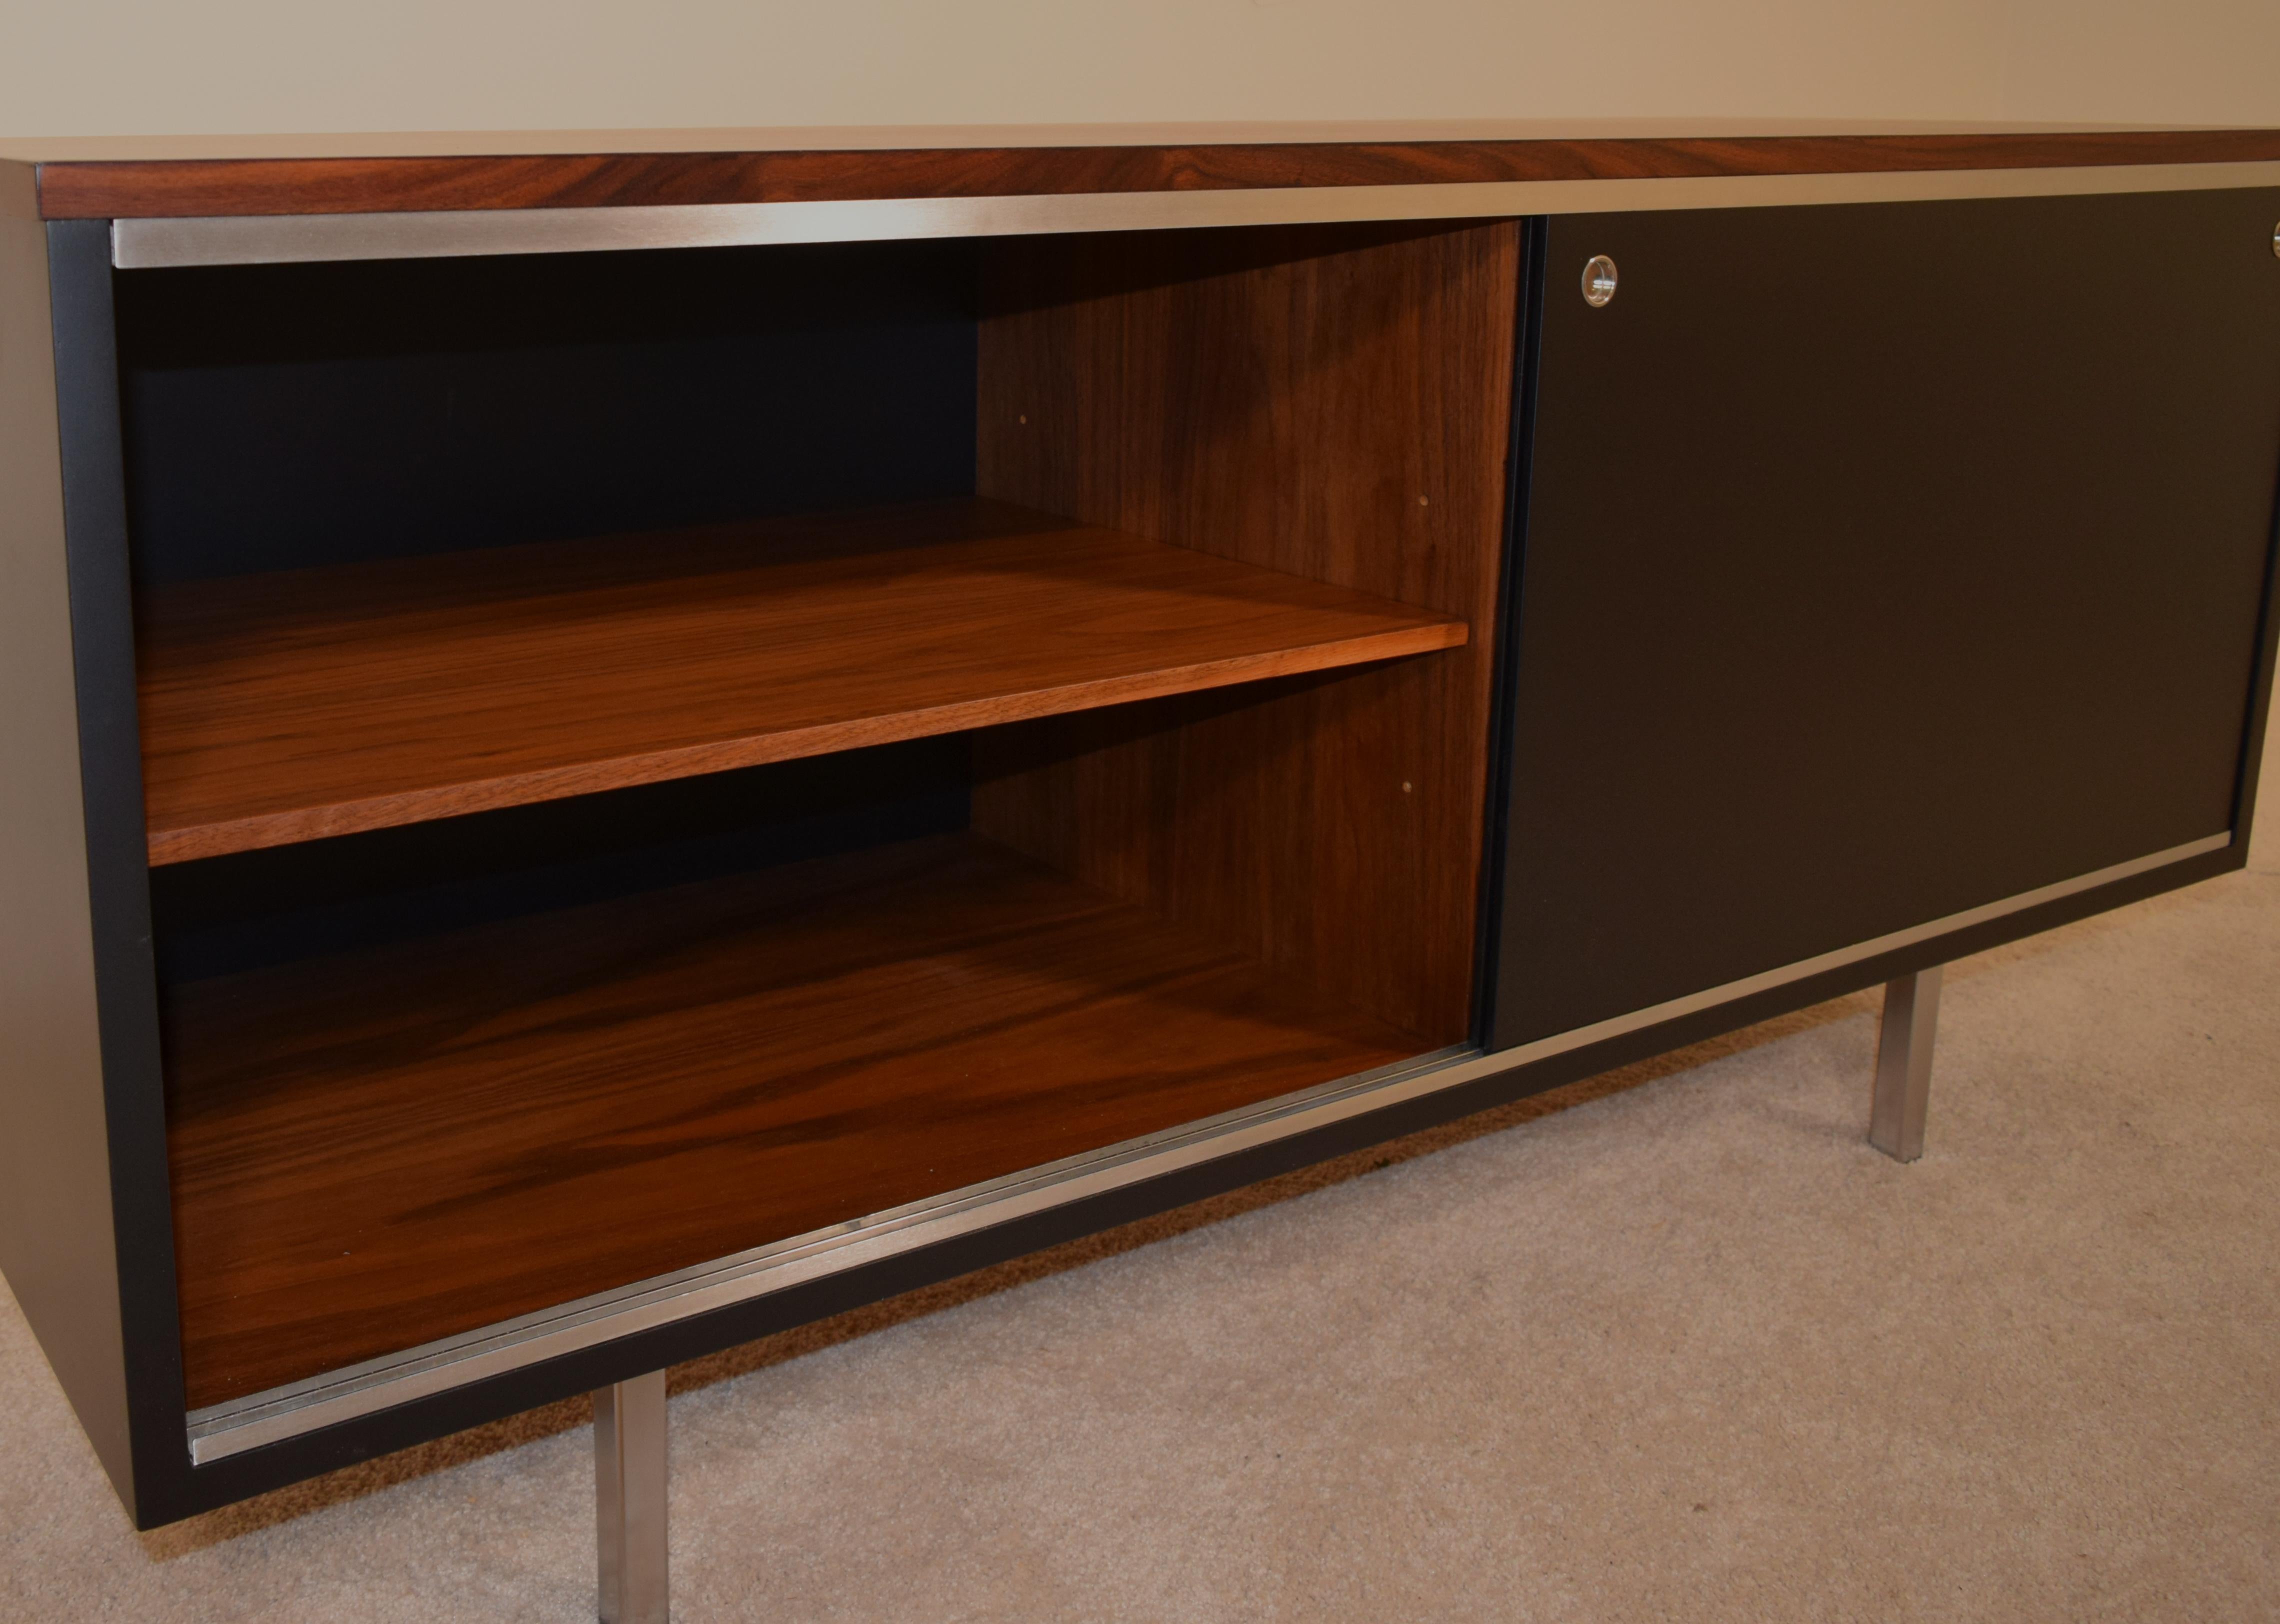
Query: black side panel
point(119, 906)
point(56, 1244)
point(1882, 562)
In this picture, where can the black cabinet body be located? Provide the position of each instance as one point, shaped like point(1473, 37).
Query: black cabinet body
point(1879, 563)
point(1872, 564)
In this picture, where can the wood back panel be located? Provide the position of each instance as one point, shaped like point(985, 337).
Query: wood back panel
point(1332, 403)
point(153, 188)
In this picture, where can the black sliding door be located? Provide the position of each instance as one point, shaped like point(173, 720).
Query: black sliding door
point(1878, 563)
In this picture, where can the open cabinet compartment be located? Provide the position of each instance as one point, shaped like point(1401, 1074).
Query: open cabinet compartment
point(477, 1004)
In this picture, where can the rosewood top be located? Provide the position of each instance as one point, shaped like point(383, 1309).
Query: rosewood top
point(146, 188)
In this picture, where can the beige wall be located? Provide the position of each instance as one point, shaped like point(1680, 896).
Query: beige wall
point(71, 67)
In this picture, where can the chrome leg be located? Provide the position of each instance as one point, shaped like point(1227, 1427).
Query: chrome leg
point(1903, 1045)
point(629, 1479)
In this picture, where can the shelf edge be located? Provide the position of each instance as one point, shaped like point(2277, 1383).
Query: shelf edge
point(190, 841)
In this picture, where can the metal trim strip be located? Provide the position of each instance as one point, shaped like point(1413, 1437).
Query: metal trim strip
point(222, 1430)
point(219, 240)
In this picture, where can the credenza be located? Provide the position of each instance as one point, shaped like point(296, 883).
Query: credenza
point(606, 751)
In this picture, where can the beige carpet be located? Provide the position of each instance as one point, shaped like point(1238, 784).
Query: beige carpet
point(1672, 1344)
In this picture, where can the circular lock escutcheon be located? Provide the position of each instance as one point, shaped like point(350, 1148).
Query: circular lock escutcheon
point(1599, 280)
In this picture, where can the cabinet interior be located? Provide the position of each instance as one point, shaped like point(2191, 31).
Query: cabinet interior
point(650, 755)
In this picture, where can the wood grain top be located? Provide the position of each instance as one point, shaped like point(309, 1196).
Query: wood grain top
point(291, 706)
point(190, 187)
point(375, 1150)
point(895, 137)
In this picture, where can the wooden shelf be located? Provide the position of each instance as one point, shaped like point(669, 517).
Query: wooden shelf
point(291, 706)
point(377, 1149)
